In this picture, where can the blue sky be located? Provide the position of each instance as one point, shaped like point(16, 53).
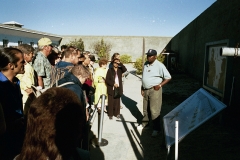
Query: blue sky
point(104, 17)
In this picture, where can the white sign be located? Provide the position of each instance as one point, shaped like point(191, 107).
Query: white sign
point(190, 114)
point(216, 69)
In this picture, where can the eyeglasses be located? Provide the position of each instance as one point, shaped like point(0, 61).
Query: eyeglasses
point(49, 46)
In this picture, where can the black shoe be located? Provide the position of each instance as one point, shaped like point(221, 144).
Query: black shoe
point(99, 110)
point(110, 118)
point(118, 116)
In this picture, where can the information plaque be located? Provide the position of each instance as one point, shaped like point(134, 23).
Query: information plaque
point(190, 114)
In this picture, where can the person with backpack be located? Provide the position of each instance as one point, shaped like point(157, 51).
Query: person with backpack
point(70, 59)
point(78, 75)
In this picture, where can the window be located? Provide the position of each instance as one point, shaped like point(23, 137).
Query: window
point(19, 42)
point(5, 42)
point(32, 44)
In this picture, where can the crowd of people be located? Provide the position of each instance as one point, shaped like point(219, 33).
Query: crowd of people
point(54, 125)
point(35, 127)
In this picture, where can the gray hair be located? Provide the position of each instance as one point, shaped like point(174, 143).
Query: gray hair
point(40, 48)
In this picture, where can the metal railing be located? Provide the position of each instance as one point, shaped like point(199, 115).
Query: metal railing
point(100, 141)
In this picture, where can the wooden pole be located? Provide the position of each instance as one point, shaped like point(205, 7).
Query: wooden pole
point(143, 53)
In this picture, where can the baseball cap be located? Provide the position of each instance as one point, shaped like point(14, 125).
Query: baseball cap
point(151, 52)
point(44, 42)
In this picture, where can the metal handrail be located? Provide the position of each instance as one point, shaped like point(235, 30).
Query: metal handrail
point(101, 141)
point(90, 118)
point(101, 119)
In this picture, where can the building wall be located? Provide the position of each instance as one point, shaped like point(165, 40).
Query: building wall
point(131, 45)
point(221, 21)
point(15, 34)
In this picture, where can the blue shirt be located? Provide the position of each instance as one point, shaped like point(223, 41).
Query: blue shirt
point(154, 74)
point(10, 99)
point(63, 64)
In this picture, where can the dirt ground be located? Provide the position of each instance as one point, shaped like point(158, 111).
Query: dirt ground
point(217, 139)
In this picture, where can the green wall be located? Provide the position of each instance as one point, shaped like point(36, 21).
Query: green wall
point(221, 21)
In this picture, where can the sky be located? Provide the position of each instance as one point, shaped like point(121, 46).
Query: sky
point(104, 17)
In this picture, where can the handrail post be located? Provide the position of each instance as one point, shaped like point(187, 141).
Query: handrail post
point(176, 140)
point(101, 119)
point(101, 141)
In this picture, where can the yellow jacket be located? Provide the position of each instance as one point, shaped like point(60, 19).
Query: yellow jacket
point(101, 87)
point(26, 80)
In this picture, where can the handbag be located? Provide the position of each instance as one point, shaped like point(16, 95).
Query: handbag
point(116, 92)
point(91, 91)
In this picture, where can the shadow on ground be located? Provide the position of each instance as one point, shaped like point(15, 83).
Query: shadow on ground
point(132, 106)
point(98, 154)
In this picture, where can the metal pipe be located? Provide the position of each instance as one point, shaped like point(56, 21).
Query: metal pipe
point(176, 140)
point(230, 101)
point(90, 120)
point(101, 119)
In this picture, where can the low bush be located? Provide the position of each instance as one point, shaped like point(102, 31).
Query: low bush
point(125, 58)
point(161, 58)
point(138, 65)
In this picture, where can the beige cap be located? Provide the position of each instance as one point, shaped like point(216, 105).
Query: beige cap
point(44, 41)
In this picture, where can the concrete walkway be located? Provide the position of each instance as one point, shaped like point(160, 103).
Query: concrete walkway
point(125, 142)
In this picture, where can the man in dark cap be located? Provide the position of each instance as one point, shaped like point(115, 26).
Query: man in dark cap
point(154, 77)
